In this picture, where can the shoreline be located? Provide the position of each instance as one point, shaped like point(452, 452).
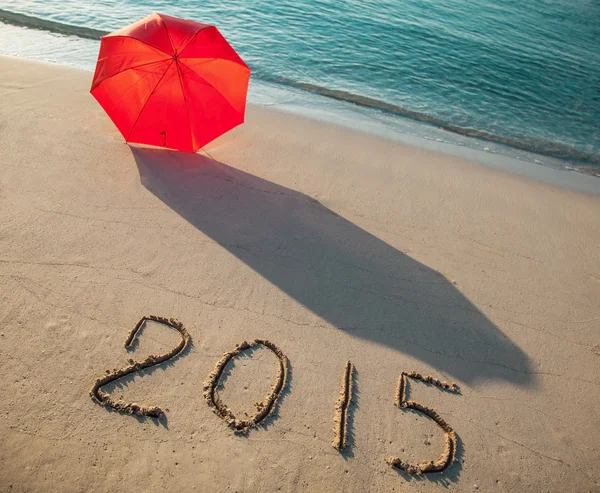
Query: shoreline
point(558, 177)
point(397, 119)
point(498, 158)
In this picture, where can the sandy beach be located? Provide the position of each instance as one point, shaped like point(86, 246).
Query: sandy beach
point(333, 244)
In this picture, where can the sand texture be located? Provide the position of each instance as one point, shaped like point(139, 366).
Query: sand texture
point(333, 245)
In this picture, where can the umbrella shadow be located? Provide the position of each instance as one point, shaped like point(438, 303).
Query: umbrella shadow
point(340, 272)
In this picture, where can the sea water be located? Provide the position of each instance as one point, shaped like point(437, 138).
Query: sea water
point(503, 75)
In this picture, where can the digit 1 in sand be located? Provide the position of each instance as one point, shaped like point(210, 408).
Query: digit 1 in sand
point(340, 418)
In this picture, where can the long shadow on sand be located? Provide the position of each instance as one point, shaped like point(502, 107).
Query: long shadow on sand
point(342, 273)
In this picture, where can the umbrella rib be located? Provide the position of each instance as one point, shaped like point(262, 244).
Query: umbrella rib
point(168, 36)
point(112, 55)
point(194, 37)
point(208, 83)
point(187, 110)
point(226, 60)
point(131, 87)
point(208, 60)
point(141, 41)
point(129, 68)
point(146, 102)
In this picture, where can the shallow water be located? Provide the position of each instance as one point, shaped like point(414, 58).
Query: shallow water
point(524, 74)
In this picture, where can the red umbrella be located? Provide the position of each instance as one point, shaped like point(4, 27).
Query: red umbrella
point(170, 82)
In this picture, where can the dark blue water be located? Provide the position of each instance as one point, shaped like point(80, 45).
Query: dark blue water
point(522, 73)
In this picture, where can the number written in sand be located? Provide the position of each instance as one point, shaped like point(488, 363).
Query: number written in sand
point(340, 418)
point(264, 408)
point(103, 398)
point(268, 405)
point(450, 437)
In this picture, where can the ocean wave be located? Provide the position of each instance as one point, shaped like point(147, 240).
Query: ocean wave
point(541, 147)
point(545, 148)
point(31, 22)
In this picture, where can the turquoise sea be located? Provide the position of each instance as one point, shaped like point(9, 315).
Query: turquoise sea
point(506, 76)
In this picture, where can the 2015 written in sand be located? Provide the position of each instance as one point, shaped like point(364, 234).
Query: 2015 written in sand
point(266, 408)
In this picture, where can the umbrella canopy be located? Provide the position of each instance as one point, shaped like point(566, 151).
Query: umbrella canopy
point(170, 82)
